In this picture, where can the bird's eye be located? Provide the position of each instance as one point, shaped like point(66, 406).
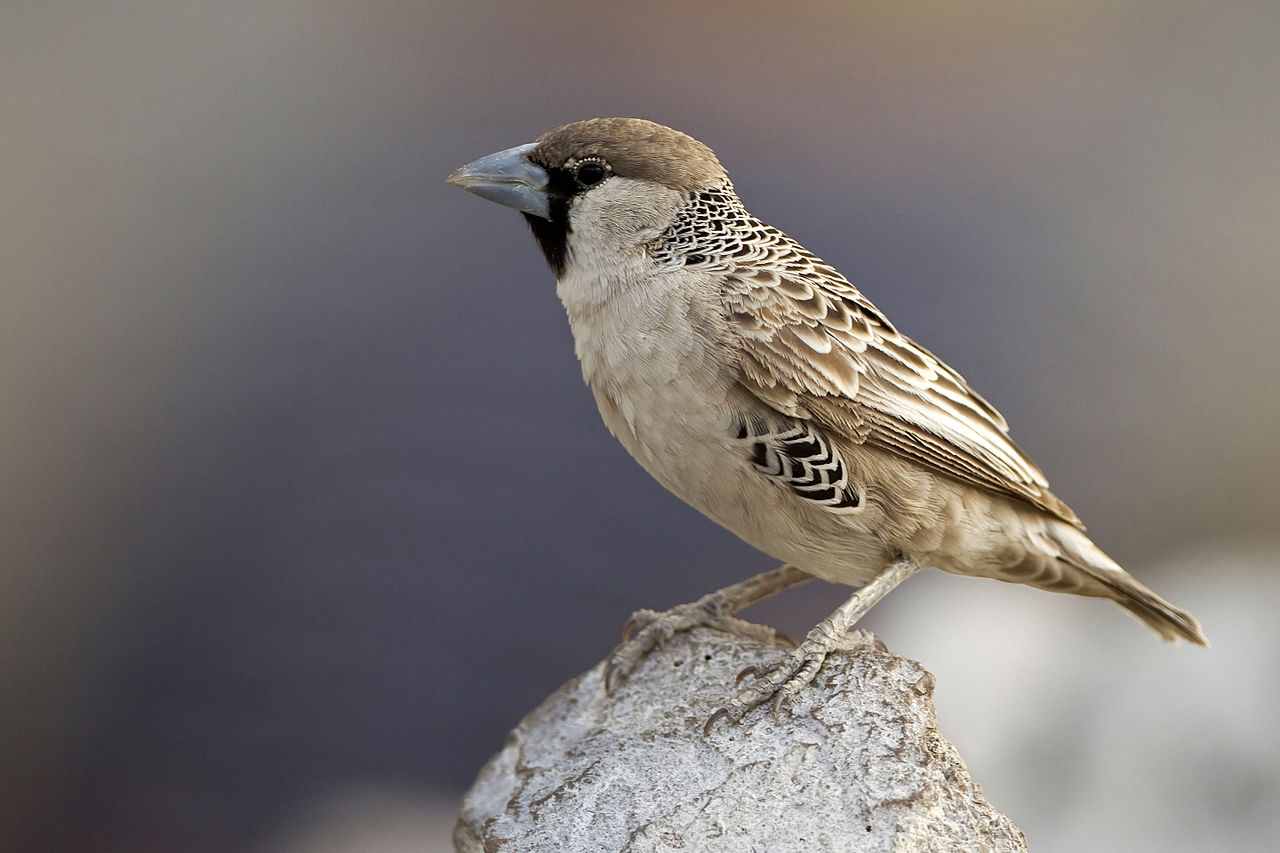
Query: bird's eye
point(590, 172)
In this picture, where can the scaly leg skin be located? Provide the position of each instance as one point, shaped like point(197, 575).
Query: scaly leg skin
point(787, 676)
point(715, 610)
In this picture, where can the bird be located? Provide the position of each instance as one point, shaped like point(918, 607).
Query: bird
point(758, 384)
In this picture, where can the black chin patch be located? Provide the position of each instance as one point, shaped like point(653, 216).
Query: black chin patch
point(553, 234)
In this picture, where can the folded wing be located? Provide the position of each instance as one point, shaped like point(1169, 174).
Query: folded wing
point(813, 347)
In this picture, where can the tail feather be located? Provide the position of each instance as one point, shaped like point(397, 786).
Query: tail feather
point(1165, 619)
point(1168, 621)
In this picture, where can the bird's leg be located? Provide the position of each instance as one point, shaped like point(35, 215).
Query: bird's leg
point(787, 676)
point(649, 629)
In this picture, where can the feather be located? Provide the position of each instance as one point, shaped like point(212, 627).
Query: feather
point(805, 329)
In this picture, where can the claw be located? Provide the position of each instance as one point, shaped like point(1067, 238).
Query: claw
point(612, 672)
point(720, 714)
point(627, 628)
point(775, 707)
point(750, 671)
point(785, 640)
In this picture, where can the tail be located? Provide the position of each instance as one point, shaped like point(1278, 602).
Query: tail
point(1113, 582)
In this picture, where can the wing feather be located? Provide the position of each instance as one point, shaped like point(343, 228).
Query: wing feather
point(814, 347)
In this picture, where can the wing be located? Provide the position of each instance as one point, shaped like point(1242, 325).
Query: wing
point(813, 347)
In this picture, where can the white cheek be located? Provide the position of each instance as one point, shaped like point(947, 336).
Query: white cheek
point(621, 215)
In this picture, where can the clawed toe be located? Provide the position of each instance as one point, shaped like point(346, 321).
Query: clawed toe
point(716, 716)
point(613, 673)
point(775, 683)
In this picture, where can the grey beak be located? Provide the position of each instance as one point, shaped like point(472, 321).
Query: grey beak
point(509, 179)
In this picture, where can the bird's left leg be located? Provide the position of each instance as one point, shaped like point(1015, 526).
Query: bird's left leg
point(715, 610)
point(787, 676)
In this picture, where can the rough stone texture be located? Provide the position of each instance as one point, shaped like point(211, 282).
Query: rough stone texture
point(854, 763)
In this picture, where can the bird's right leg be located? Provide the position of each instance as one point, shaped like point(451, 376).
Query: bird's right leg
point(650, 629)
point(790, 674)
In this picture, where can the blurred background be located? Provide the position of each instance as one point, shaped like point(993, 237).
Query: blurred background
point(304, 504)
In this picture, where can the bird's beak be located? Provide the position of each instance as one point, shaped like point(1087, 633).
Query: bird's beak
point(508, 178)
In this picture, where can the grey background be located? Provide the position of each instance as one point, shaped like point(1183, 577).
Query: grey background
point(300, 489)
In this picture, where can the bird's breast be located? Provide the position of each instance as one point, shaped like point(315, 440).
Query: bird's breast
point(651, 353)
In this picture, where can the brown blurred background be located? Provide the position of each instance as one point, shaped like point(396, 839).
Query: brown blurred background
point(303, 502)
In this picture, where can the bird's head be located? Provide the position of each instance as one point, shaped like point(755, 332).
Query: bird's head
point(607, 185)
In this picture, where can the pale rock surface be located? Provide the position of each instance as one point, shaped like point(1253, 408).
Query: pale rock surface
point(854, 763)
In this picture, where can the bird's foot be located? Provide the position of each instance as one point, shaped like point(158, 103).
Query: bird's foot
point(779, 681)
point(650, 629)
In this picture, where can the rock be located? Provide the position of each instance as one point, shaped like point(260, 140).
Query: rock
point(854, 763)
